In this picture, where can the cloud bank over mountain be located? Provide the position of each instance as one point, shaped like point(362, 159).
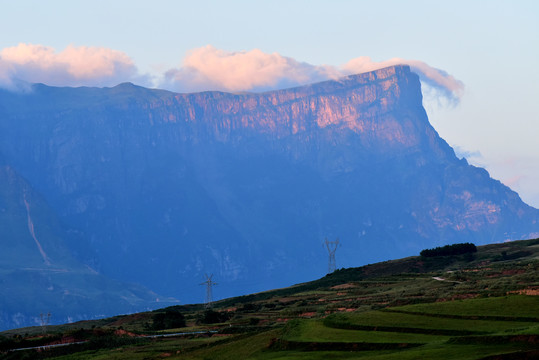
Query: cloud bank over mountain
point(73, 66)
point(204, 68)
point(209, 68)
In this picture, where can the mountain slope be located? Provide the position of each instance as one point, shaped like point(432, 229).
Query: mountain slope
point(165, 187)
point(38, 274)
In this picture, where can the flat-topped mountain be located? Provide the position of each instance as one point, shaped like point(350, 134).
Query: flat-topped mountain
point(163, 187)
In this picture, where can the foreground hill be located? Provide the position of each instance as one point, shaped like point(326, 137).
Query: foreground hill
point(482, 305)
point(163, 187)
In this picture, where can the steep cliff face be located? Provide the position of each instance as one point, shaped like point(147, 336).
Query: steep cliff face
point(165, 187)
point(383, 107)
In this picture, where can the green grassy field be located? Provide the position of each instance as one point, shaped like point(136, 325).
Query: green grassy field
point(421, 323)
point(316, 331)
point(497, 336)
point(517, 306)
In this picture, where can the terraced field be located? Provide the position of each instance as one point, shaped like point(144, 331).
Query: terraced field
point(465, 329)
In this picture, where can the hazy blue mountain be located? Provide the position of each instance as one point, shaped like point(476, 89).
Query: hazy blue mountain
point(164, 187)
point(39, 275)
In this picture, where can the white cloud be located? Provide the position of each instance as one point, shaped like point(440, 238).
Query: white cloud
point(205, 68)
point(74, 66)
point(439, 81)
point(209, 68)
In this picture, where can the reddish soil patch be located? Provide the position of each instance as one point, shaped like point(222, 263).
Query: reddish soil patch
point(343, 286)
point(122, 332)
point(308, 314)
point(533, 292)
point(129, 319)
point(64, 340)
point(513, 271)
point(343, 309)
point(507, 272)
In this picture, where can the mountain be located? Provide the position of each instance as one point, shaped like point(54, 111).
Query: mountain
point(38, 274)
point(163, 187)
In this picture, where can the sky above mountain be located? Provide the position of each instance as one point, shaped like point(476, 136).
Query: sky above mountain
point(477, 60)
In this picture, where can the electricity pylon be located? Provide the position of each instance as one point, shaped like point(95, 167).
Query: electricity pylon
point(209, 283)
point(45, 320)
point(332, 247)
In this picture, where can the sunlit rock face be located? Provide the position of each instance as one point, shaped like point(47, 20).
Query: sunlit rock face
point(164, 187)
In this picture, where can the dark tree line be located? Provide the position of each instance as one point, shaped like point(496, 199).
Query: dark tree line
point(447, 250)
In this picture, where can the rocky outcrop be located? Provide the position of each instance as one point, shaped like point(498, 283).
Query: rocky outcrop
point(163, 187)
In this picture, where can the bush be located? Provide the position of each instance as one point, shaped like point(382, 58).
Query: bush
point(168, 320)
point(211, 317)
point(448, 250)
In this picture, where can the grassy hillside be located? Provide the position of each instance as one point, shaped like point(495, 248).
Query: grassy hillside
point(481, 305)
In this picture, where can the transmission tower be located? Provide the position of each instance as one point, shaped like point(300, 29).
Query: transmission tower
point(209, 283)
point(332, 247)
point(45, 320)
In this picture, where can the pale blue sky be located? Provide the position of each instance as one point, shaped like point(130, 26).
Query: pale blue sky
point(491, 46)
